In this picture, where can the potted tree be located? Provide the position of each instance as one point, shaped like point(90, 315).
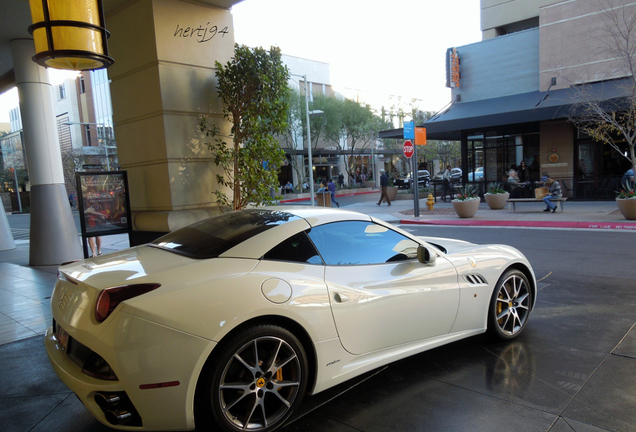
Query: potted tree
point(496, 196)
point(467, 202)
point(626, 201)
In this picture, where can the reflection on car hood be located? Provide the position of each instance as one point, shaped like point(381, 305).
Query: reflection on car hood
point(449, 245)
point(122, 267)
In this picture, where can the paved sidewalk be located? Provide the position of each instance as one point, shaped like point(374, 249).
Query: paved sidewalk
point(576, 214)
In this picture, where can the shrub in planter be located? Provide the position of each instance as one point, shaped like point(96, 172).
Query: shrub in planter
point(496, 196)
point(626, 201)
point(467, 202)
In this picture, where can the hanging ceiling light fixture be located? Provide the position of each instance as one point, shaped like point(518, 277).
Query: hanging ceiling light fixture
point(70, 34)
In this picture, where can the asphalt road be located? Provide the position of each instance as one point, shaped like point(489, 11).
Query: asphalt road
point(572, 253)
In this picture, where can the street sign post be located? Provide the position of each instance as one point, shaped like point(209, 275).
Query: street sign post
point(409, 130)
point(420, 136)
point(408, 149)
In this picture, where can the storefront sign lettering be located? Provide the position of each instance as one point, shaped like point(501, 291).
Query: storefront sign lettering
point(554, 165)
point(201, 33)
point(455, 75)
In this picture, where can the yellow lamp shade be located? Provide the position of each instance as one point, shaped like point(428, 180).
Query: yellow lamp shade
point(69, 34)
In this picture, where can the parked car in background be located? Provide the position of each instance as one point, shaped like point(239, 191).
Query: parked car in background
point(477, 175)
point(456, 176)
point(423, 180)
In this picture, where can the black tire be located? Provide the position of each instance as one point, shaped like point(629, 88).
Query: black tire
point(510, 305)
point(255, 382)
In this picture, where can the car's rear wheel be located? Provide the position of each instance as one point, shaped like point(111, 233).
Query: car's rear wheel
point(510, 305)
point(257, 380)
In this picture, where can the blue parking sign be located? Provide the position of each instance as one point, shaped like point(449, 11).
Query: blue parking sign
point(409, 130)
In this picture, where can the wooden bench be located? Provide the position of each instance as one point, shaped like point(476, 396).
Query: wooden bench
point(514, 201)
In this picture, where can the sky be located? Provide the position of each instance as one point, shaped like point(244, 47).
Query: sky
point(394, 47)
point(380, 49)
point(9, 100)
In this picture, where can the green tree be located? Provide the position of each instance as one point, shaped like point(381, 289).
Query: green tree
point(253, 89)
point(7, 179)
point(346, 124)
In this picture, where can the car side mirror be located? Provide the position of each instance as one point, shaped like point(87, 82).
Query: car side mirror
point(425, 255)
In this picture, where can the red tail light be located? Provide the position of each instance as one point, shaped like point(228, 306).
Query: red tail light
point(111, 297)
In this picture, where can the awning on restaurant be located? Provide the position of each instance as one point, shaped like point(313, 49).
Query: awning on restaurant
point(516, 109)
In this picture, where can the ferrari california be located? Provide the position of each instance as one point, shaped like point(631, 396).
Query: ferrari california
point(227, 323)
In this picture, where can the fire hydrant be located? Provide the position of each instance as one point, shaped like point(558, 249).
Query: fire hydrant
point(430, 202)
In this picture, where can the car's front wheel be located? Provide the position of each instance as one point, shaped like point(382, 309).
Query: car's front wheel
point(256, 381)
point(510, 305)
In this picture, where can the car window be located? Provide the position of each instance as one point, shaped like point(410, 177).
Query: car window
point(211, 237)
point(297, 248)
point(357, 243)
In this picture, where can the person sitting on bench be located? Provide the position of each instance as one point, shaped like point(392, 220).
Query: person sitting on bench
point(553, 192)
point(517, 186)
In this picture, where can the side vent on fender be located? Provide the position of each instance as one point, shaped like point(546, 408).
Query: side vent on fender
point(475, 279)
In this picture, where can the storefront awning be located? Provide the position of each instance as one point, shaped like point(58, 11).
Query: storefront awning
point(516, 109)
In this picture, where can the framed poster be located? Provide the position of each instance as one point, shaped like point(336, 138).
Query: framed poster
point(103, 202)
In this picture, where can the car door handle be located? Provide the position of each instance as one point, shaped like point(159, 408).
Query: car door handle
point(340, 298)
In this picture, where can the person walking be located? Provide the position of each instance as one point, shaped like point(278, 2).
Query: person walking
point(331, 187)
point(446, 178)
point(553, 192)
point(340, 180)
point(384, 183)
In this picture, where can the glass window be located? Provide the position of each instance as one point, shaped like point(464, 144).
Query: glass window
point(357, 243)
point(62, 91)
point(297, 248)
point(211, 237)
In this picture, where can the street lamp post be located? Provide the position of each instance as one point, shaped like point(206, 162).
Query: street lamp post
point(309, 155)
point(311, 167)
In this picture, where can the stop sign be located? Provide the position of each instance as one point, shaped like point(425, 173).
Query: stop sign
point(408, 149)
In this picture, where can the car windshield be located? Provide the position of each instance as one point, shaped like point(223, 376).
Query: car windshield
point(211, 237)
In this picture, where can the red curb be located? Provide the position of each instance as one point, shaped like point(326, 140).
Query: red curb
point(538, 224)
point(337, 195)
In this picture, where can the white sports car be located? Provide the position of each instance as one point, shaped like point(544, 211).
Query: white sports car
point(230, 321)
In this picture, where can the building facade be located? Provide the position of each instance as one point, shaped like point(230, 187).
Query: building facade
point(513, 94)
point(83, 116)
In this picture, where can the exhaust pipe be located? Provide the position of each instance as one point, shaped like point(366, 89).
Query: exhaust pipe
point(118, 409)
point(118, 417)
point(107, 400)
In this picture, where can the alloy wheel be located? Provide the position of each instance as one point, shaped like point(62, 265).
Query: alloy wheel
point(260, 383)
point(512, 305)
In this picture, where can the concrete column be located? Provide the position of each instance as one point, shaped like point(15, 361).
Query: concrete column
point(162, 81)
point(54, 236)
point(6, 238)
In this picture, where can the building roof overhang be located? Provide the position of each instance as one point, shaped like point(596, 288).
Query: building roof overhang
point(519, 109)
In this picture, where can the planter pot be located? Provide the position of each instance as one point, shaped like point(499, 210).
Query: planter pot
point(466, 209)
point(391, 192)
point(627, 208)
point(496, 201)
